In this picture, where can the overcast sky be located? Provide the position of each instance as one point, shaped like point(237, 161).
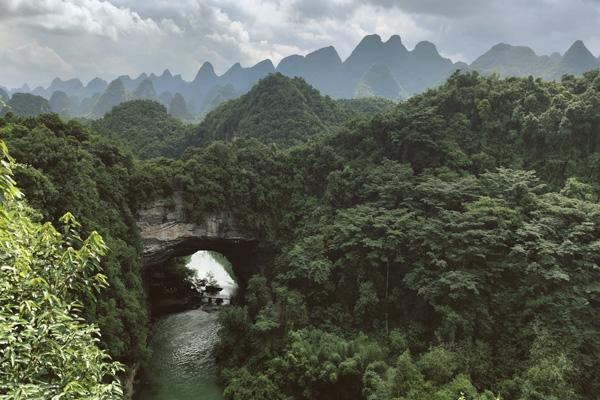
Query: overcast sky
point(42, 39)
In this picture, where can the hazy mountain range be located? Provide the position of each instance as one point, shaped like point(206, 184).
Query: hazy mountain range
point(375, 68)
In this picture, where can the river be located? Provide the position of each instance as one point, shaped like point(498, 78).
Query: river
point(182, 366)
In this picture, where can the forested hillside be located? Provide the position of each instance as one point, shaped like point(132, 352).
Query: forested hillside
point(445, 246)
point(63, 167)
point(25, 104)
point(278, 109)
point(145, 127)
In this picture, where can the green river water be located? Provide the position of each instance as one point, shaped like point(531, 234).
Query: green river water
point(182, 366)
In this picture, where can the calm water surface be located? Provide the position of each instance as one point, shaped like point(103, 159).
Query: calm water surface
point(182, 366)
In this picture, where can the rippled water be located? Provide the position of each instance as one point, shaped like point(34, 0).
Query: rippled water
point(182, 366)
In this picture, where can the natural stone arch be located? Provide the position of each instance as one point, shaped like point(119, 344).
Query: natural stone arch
point(166, 232)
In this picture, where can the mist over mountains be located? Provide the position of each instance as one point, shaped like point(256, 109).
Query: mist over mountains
point(375, 68)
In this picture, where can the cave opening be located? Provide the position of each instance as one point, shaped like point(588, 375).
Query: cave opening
point(197, 273)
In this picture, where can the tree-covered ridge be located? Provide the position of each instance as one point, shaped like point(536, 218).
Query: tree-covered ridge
point(367, 107)
point(46, 349)
point(145, 127)
point(25, 104)
point(4, 98)
point(475, 123)
point(278, 109)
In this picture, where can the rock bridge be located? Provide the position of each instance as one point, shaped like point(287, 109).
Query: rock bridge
point(166, 232)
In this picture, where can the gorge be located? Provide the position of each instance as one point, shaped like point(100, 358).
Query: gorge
point(182, 363)
point(181, 341)
point(381, 250)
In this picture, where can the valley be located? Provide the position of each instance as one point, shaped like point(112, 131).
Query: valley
point(381, 250)
point(299, 200)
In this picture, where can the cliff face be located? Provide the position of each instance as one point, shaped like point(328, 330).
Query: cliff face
point(167, 233)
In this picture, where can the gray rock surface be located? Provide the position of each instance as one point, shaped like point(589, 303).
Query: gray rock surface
point(166, 232)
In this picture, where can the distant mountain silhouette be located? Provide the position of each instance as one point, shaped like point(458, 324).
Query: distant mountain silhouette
point(166, 82)
point(378, 81)
point(178, 107)
point(145, 91)
point(60, 103)
point(216, 96)
point(130, 84)
point(374, 68)
point(26, 104)
point(96, 85)
point(320, 68)
point(114, 95)
point(577, 60)
point(165, 98)
point(507, 60)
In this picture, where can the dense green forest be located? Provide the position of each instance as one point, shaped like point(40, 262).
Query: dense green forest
point(47, 350)
point(62, 167)
point(445, 246)
point(145, 127)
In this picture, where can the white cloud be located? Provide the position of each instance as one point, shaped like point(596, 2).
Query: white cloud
point(170, 26)
point(37, 61)
point(96, 17)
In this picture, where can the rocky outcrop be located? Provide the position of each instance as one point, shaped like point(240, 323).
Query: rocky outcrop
point(167, 233)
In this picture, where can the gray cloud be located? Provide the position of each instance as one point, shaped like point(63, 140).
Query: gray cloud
point(453, 9)
point(93, 17)
point(319, 9)
point(42, 39)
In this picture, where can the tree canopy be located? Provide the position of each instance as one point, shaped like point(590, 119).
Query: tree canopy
point(47, 350)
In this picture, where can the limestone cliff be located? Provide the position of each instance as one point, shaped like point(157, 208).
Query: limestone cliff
point(166, 232)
